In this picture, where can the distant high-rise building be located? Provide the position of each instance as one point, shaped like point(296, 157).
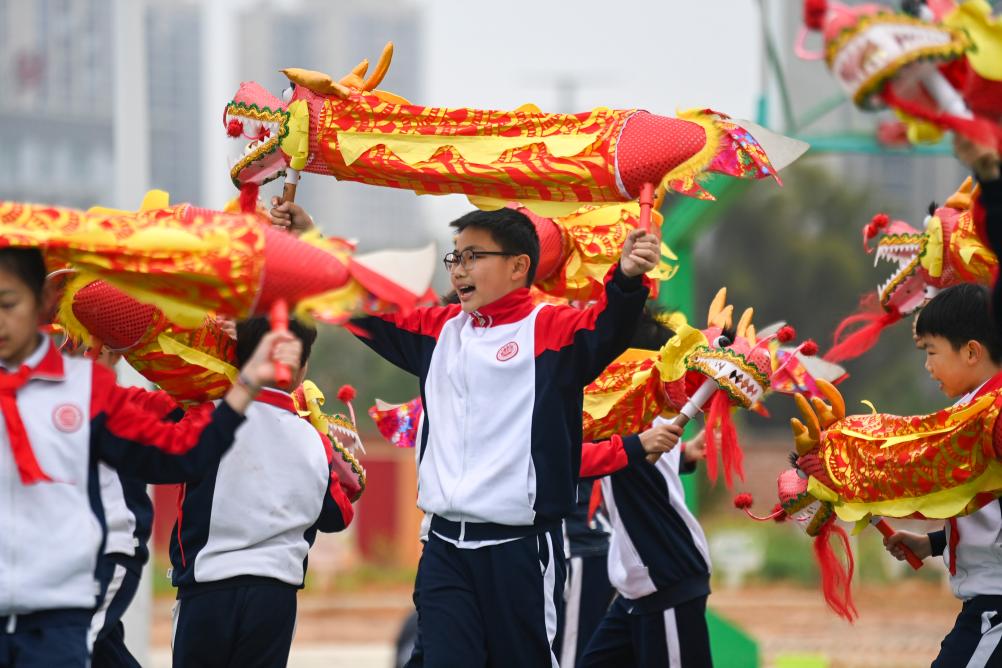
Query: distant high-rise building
point(909, 181)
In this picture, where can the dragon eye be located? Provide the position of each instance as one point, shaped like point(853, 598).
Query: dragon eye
point(287, 93)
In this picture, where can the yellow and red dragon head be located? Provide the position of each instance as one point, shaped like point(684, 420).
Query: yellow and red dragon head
point(947, 251)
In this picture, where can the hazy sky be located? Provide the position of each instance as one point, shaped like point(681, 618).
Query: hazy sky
point(659, 55)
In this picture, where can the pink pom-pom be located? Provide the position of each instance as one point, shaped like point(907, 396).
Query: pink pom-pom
point(809, 348)
point(743, 501)
point(346, 393)
point(786, 334)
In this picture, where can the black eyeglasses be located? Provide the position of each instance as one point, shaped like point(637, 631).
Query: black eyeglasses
point(467, 257)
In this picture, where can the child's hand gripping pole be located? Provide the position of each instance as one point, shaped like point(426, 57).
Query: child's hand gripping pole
point(280, 323)
point(646, 203)
point(884, 528)
point(291, 181)
point(695, 403)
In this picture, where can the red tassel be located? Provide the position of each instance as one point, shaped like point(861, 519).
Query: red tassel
point(814, 13)
point(873, 320)
point(248, 197)
point(710, 440)
point(731, 457)
point(595, 500)
point(346, 393)
point(836, 577)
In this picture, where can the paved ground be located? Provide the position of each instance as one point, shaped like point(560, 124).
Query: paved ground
point(900, 626)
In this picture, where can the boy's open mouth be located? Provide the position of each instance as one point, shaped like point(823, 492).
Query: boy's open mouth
point(465, 291)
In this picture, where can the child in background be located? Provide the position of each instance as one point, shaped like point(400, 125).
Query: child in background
point(659, 560)
point(964, 355)
point(245, 526)
point(62, 416)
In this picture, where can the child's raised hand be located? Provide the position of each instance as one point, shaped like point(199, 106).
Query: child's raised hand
point(695, 448)
point(641, 253)
point(281, 347)
point(290, 217)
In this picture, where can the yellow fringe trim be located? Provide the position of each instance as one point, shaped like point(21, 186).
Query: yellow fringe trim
point(697, 164)
point(172, 346)
point(67, 319)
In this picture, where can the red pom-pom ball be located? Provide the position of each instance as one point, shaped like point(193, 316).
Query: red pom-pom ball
point(786, 334)
point(743, 500)
point(346, 393)
point(814, 13)
point(809, 348)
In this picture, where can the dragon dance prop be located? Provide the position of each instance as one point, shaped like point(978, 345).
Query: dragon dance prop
point(947, 251)
point(939, 70)
point(691, 370)
point(860, 468)
point(190, 261)
point(551, 163)
point(340, 429)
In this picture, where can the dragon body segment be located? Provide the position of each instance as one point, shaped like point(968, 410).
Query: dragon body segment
point(353, 132)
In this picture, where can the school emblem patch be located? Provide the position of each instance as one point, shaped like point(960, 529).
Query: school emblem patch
point(507, 351)
point(68, 418)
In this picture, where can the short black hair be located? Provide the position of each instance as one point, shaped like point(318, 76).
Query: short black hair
point(651, 333)
point(959, 314)
point(28, 264)
point(251, 331)
point(511, 230)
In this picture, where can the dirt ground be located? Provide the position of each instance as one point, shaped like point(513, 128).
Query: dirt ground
point(900, 625)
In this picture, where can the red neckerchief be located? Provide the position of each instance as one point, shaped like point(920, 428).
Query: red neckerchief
point(277, 398)
point(50, 368)
point(511, 308)
point(992, 384)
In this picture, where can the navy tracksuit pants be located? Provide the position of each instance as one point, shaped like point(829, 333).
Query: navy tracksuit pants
point(50, 639)
point(675, 638)
point(587, 599)
point(498, 605)
point(238, 623)
point(119, 576)
point(976, 638)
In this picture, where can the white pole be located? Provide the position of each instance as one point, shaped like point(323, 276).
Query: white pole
point(219, 82)
point(131, 125)
point(131, 134)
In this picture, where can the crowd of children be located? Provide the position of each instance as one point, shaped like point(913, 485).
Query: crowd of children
point(540, 550)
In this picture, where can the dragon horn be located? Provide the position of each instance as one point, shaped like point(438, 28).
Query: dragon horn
point(745, 322)
point(381, 68)
point(810, 419)
point(360, 69)
point(834, 397)
point(824, 412)
point(802, 437)
point(318, 82)
point(716, 306)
